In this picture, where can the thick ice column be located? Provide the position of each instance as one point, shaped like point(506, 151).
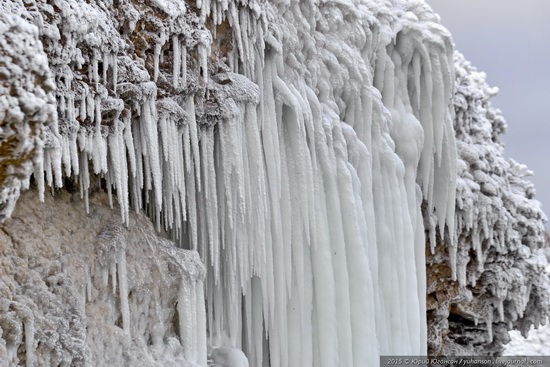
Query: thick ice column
point(186, 301)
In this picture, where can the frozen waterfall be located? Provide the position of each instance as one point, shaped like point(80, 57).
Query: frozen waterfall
point(296, 166)
point(305, 149)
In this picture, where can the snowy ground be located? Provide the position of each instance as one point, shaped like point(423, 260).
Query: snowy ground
point(536, 344)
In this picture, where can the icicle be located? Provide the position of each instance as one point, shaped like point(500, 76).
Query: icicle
point(28, 324)
point(112, 271)
point(109, 191)
point(129, 142)
point(207, 149)
point(123, 286)
point(95, 72)
point(39, 172)
point(90, 106)
point(106, 58)
point(324, 286)
point(200, 330)
point(119, 168)
point(500, 307)
point(192, 207)
point(48, 167)
point(150, 137)
point(156, 57)
point(82, 110)
point(176, 65)
point(489, 322)
point(114, 65)
point(184, 65)
point(190, 108)
point(98, 147)
point(88, 283)
point(84, 180)
point(186, 300)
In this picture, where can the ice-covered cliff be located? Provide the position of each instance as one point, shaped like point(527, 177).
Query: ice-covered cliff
point(500, 257)
point(316, 156)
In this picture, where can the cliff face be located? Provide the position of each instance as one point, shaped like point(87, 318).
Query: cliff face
point(314, 157)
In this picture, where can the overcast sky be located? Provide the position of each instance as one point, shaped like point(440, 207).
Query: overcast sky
point(510, 41)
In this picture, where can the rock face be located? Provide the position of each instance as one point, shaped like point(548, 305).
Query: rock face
point(314, 156)
point(83, 290)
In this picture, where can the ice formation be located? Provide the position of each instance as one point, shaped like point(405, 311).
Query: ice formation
point(306, 150)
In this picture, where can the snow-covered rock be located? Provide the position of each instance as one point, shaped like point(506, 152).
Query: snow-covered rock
point(83, 290)
point(26, 106)
point(500, 279)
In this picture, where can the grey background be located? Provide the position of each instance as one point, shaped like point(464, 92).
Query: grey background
point(510, 41)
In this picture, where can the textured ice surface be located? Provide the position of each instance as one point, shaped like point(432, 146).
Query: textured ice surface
point(309, 151)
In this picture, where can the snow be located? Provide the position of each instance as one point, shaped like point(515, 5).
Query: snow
point(307, 151)
point(228, 357)
point(536, 343)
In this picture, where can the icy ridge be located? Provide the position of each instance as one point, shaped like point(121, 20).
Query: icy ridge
point(302, 148)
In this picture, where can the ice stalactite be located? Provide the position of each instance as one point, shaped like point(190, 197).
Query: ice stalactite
point(305, 150)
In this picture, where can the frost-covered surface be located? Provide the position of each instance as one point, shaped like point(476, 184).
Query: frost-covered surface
point(500, 256)
point(302, 148)
point(82, 290)
point(26, 105)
